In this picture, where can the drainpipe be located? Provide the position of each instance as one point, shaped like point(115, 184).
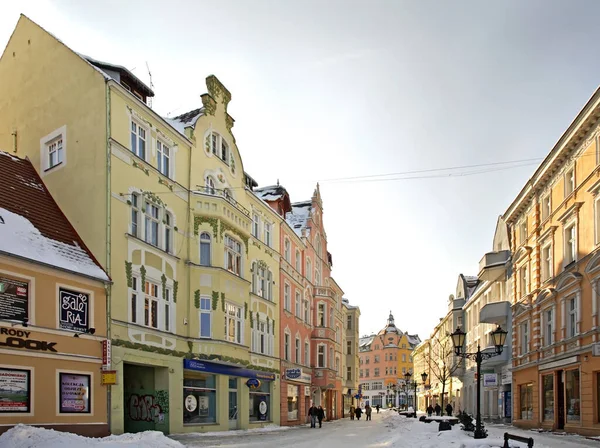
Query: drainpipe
point(108, 238)
point(188, 239)
point(14, 135)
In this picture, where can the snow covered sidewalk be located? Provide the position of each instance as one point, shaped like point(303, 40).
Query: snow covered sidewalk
point(22, 436)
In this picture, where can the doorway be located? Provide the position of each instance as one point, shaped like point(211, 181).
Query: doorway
point(560, 386)
point(233, 403)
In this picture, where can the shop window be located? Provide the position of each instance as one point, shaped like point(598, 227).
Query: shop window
point(15, 391)
point(548, 397)
point(74, 393)
point(573, 395)
point(260, 402)
point(292, 399)
point(200, 399)
point(526, 396)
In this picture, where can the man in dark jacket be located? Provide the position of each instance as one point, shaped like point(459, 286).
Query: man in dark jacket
point(429, 410)
point(312, 414)
point(358, 412)
point(449, 409)
point(320, 415)
point(438, 409)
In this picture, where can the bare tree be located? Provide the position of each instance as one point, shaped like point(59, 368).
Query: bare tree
point(443, 363)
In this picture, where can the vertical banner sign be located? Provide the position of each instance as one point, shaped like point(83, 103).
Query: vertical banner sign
point(74, 310)
point(14, 299)
point(106, 355)
point(15, 395)
point(74, 393)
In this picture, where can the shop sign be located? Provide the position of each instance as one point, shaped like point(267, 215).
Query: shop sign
point(212, 367)
point(74, 310)
point(292, 374)
point(74, 393)
point(596, 349)
point(109, 377)
point(307, 391)
point(106, 354)
point(15, 391)
point(253, 383)
point(490, 380)
point(506, 378)
point(14, 299)
point(20, 339)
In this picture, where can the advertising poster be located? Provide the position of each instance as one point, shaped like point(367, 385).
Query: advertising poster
point(74, 310)
point(14, 391)
point(203, 406)
point(14, 299)
point(74, 393)
point(262, 409)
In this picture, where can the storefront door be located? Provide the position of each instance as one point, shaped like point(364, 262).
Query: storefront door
point(233, 403)
point(560, 385)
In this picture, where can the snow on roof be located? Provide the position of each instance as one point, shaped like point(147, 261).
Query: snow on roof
point(365, 340)
point(270, 193)
point(299, 216)
point(185, 120)
point(32, 226)
point(413, 340)
point(471, 278)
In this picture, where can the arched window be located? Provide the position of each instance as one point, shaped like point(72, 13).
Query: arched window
point(219, 147)
point(287, 250)
point(210, 185)
point(298, 261)
point(308, 270)
point(319, 246)
point(205, 249)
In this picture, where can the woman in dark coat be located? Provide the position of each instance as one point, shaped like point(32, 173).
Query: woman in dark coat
point(320, 415)
point(358, 412)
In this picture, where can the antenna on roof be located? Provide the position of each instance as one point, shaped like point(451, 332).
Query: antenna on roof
point(277, 182)
point(151, 85)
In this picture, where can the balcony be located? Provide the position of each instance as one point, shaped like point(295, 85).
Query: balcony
point(208, 191)
point(493, 264)
point(323, 333)
point(496, 313)
point(322, 291)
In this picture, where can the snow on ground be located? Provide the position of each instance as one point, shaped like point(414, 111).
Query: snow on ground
point(23, 436)
point(237, 432)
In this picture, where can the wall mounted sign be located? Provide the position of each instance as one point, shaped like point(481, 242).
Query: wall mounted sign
point(213, 367)
point(109, 377)
point(74, 393)
point(74, 310)
point(292, 374)
point(106, 354)
point(490, 380)
point(14, 299)
point(307, 391)
point(253, 383)
point(15, 387)
point(20, 339)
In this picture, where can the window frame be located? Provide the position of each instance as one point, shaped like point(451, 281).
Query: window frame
point(150, 219)
point(321, 356)
point(546, 206)
point(570, 256)
point(205, 309)
point(548, 326)
point(164, 153)
point(287, 297)
point(268, 233)
point(55, 146)
point(524, 337)
point(547, 264)
point(298, 305)
point(232, 255)
point(146, 132)
point(570, 181)
point(523, 231)
point(238, 320)
point(206, 242)
point(298, 261)
point(255, 225)
point(59, 134)
point(572, 316)
point(287, 250)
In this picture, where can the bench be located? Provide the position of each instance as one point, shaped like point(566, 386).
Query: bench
point(507, 437)
point(452, 420)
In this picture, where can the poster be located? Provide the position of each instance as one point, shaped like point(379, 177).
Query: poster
point(74, 393)
point(191, 403)
point(14, 391)
point(262, 409)
point(203, 406)
point(74, 310)
point(14, 299)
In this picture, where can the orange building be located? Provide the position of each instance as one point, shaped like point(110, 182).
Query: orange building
point(52, 312)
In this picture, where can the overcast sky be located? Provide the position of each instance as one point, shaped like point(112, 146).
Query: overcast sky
point(330, 89)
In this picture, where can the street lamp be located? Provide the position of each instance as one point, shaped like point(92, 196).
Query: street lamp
point(458, 340)
point(412, 385)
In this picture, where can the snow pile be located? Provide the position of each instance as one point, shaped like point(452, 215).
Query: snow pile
point(20, 237)
point(238, 432)
point(23, 436)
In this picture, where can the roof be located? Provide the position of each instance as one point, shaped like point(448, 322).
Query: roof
point(270, 193)
point(413, 340)
point(299, 216)
point(185, 120)
point(119, 68)
point(32, 225)
point(365, 341)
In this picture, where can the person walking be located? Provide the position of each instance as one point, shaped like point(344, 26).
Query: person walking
point(449, 409)
point(438, 409)
point(429, 410)
point(352, 409)
point(320, 415)
point(377, 407)
point(368, 411)
point(312, 414)
point(358, 412)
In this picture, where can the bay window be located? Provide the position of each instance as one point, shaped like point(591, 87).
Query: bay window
point(321, 315)
point(233, 256)
point(234, 323)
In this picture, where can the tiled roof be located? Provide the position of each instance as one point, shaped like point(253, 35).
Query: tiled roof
point(271, 193)
point(33, 226)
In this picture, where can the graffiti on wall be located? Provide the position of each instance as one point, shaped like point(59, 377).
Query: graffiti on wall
point(144, 408)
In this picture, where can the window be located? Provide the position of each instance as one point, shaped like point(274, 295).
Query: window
point(317, 277)
point(597, 216)
point(403, 358)
point(548, 328)
point(546, 262)
point(330, 317)
point(255, 225)
point(138, 140)
point(361, 373)
point(337, 366)
point(75, 393)
point(524, 338)
point(134, 301)
point(348, 347)
point(298, 261)
point(308, 270)
point(545, 207)
point(337, 334)
point(349, 322)
point(348, 373)
point(569, 181)
point(151, 224)
point(168, 232)
point(233, 256)
point(286, 347)
point(298, 305)
point(376, 359)
point(292, 400)
point(298, 356)
point(526, 396)
point(262, 340)
point(287, 250)
point(386, 356)
point(135, 215)
point(307, 354)
point(321, 356)
point(218, 146)
point(268, 234)
point(224, 152)
point(151, 304)
point(321, 315)
point(55, 152)
point(367, 373)
point(571, 317)
point(570, 244)
point(573, 395)
point(548, 397)
point(262, 281)
point(209, 186)
point(205, 249)
point(523, 280)
point(205, 317)
point(376, 371)
point(200, 399)
point(306, 312)
point(523, 231)
point(233, 323)
point(163, 158)
point(167, 308)
point(287, 305)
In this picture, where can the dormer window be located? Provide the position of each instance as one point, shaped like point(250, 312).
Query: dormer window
point(219, 147)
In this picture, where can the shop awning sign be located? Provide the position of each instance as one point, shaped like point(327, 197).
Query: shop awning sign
point(224, 369)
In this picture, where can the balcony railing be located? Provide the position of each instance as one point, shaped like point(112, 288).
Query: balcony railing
point(208, 191)
point(323, 291)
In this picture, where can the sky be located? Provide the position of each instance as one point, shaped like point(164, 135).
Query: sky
point(324, 90)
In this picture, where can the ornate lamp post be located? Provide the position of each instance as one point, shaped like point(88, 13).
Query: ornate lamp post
point(413, 386)
point(458, 340)
point(424, 378)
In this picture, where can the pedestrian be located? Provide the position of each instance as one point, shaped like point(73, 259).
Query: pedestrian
point(449, 409)
point(368, 411)
point(320, 415)
point(352, 409)
point(377, 407)
point(438, 409)
point(429, 410)
point(358, 412)
point(312, 414)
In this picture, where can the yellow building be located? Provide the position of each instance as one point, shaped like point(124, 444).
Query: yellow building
point(168, 210)
point(555, 234)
